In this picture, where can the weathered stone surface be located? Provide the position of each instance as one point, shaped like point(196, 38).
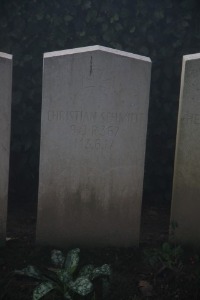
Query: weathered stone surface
point(93, 137)
point(5, 115)
point(186, 187)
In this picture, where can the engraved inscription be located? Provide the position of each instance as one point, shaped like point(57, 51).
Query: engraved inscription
point(189, 118)
point(93, 130)
point(82, 116)
point(94, 144)
point(75, 116)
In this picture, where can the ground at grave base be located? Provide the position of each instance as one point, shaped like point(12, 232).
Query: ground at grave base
point(154, 271)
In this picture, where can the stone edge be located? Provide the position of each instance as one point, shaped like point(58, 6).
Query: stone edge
point(5, 55)
point(96, 48)
point(191, 56)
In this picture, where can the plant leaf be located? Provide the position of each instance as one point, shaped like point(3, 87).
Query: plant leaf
point(101, 271)
point(42, 289)
point(50, 275)
point(72, 260)
point(87, 271)
point(30, 271)
point(82, 286)
point(57, 258)
point(67, 296)
point(64, 276)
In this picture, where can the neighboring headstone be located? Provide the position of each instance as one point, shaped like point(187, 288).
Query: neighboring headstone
point(186, 187)
point(5, 119)
point(93, 138)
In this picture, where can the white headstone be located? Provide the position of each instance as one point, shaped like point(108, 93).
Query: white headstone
point(93, 138)
point(186, 187)
point(5, 116)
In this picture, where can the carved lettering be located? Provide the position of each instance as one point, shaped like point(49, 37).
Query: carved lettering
point(85, 116)
point(94, 144)
point(189, 118)
point(94, 130)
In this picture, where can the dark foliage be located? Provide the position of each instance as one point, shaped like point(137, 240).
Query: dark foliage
point(163, 30)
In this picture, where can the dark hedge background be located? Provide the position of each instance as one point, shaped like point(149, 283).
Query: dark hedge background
point(163, 30)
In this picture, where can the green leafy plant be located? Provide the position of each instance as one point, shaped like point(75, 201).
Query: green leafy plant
point(167, 255)
point(65, 277)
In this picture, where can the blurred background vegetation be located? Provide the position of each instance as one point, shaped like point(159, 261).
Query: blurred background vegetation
point(163, 30)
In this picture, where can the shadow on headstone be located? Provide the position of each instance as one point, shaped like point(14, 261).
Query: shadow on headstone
point(5, 120)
